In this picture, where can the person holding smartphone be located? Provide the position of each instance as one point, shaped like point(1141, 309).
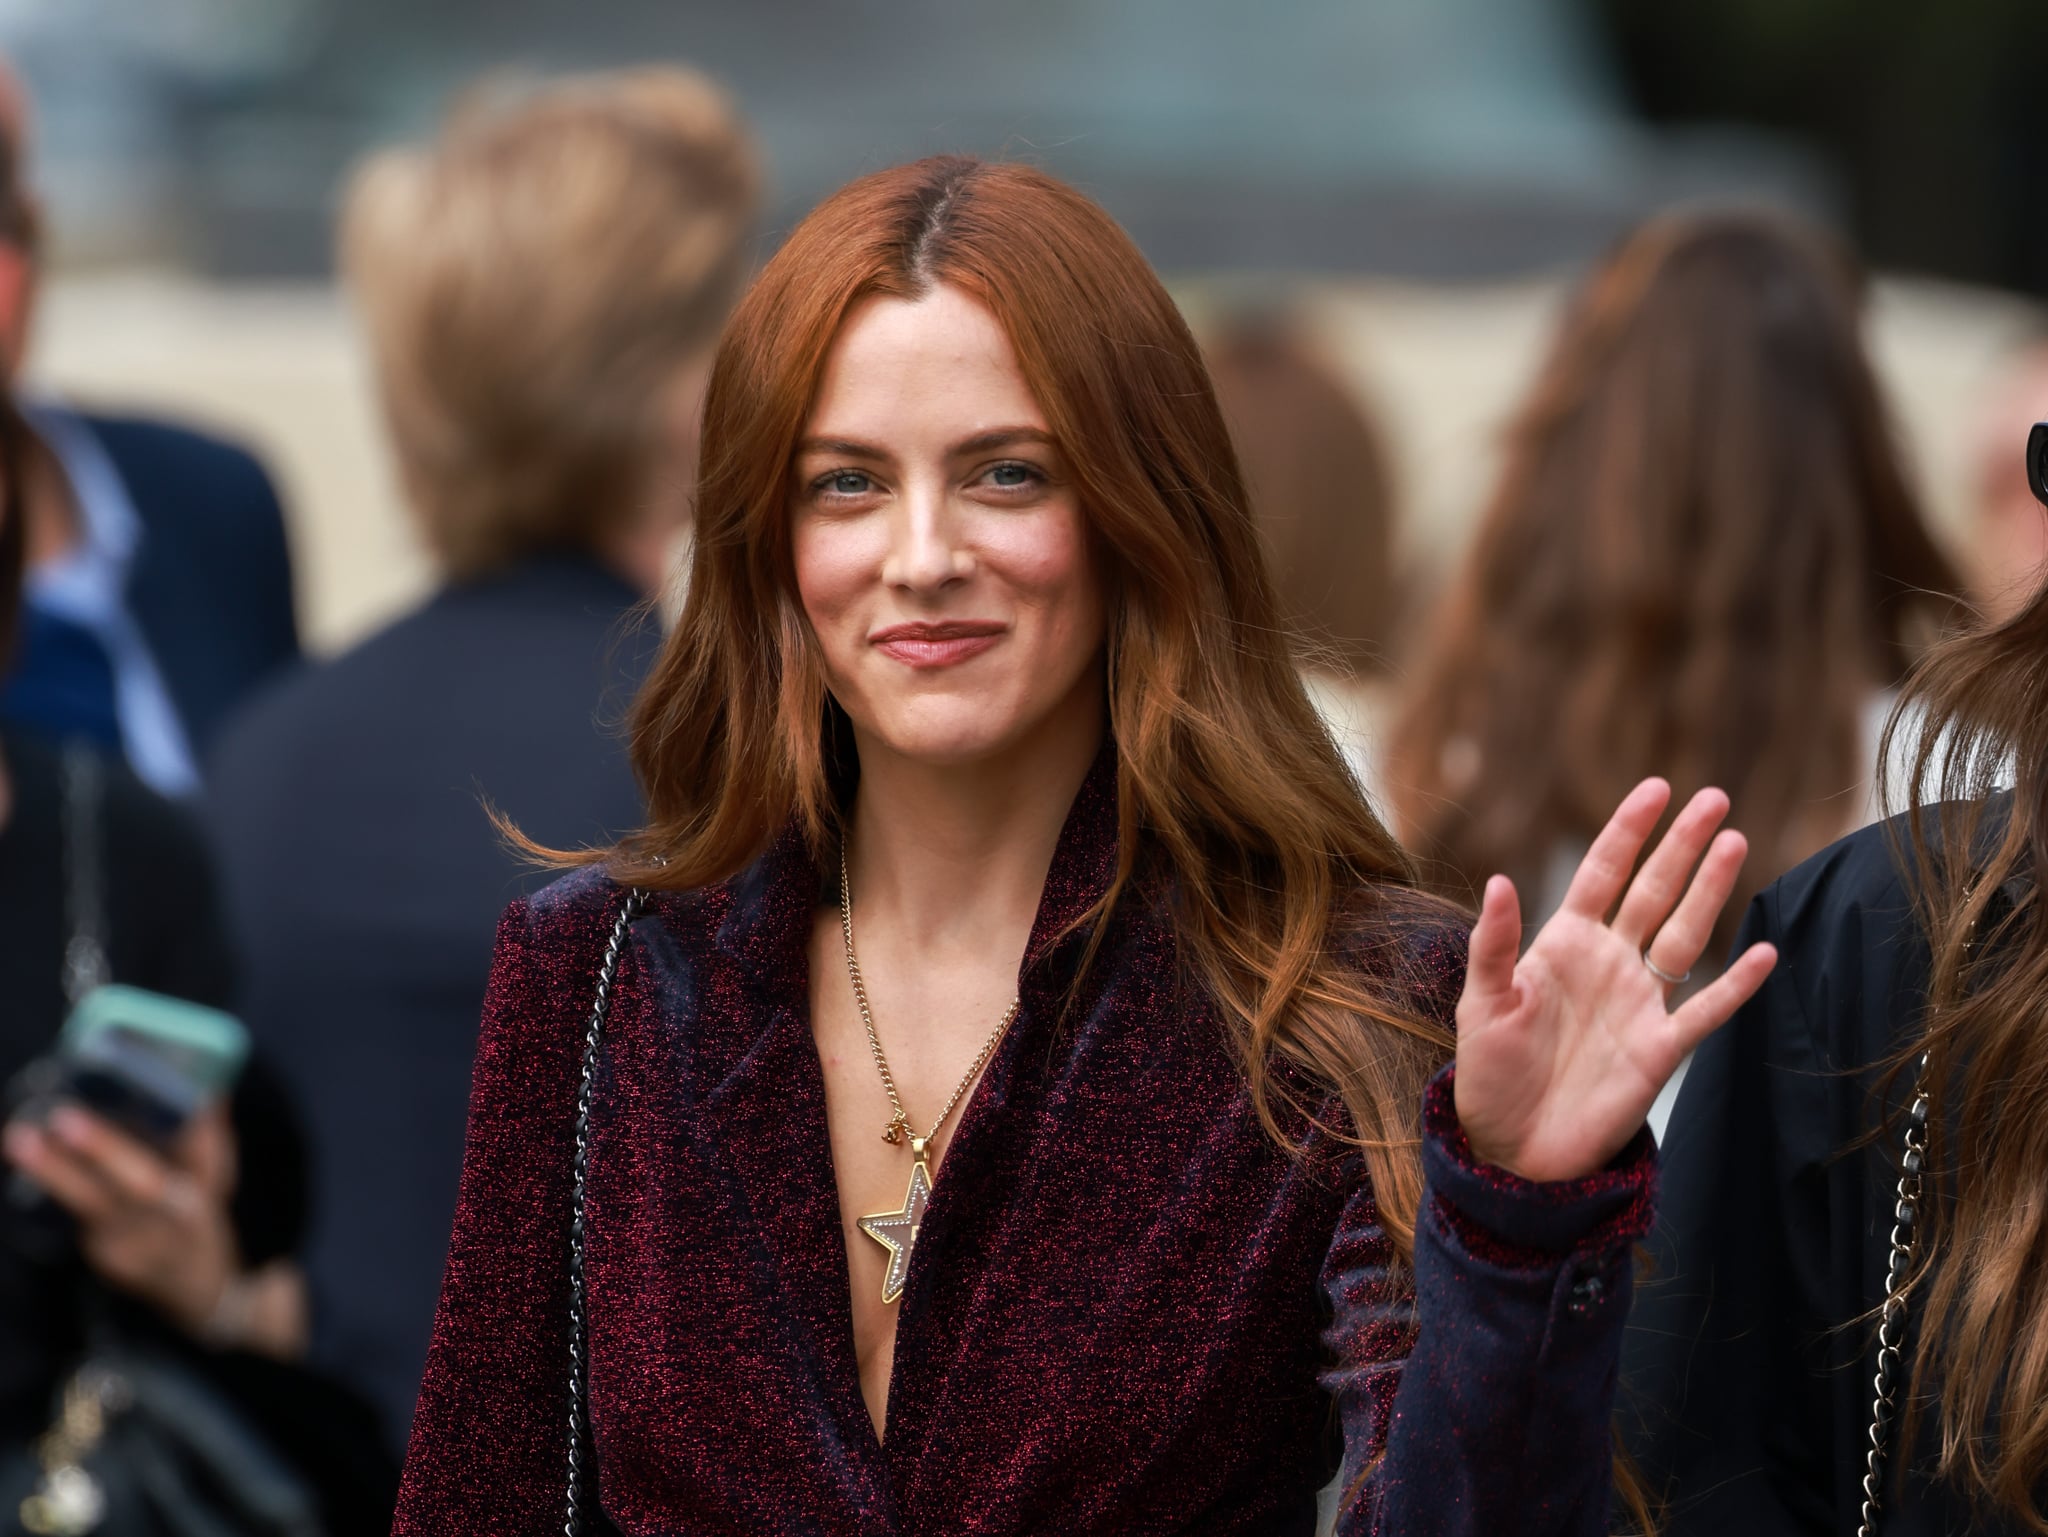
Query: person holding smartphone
point(185, 1243)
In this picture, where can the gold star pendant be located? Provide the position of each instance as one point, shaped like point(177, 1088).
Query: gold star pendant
point(896, 1231)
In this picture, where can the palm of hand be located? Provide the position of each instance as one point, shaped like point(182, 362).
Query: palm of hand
point(1562, 1051)
point(1583, 1048)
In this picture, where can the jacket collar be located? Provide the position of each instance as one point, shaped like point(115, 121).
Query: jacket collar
point(763, 1092)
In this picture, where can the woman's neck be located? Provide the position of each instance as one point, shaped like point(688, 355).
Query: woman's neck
point(956, 852)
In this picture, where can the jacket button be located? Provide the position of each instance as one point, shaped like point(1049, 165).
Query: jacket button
point(1588, 1292)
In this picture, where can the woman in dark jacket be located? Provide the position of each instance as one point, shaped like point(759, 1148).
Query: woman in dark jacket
point(1025, 1100)
point(188, 1253)
point(1916, 962)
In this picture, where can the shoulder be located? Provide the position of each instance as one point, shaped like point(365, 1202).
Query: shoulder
point(158, 446)
point(1832, 918)
point(552, 945)
point(1406, 943)
point(575, 914)
point(301, 712)
point(1852, 961)
point(1853, 876)
point(141, 830)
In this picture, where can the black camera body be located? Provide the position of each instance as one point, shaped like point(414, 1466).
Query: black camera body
point(2037, 462)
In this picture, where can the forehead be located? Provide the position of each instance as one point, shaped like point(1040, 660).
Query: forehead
point(938, 364)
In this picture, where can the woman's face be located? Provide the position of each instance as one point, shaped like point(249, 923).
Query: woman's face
point(940, 552)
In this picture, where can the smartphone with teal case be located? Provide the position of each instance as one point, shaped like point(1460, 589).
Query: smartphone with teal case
point(203, 1048)
point(146, 1061)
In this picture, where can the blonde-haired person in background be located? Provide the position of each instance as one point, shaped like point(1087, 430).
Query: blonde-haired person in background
point(541, 287)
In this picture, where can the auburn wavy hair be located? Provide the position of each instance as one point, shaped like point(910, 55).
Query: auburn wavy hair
point(1977, 857)
point(1702, 560)
point(1290, 899)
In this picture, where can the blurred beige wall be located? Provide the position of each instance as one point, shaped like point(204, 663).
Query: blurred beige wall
point(281, 368)
point(278, 368)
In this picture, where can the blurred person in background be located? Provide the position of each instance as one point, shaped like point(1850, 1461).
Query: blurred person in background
point(1322, 490)
point(541, 287)
point(2008, 536)
point(1702, 560)
point(187, 1254)
point(1881, 1103)
point(159, 585)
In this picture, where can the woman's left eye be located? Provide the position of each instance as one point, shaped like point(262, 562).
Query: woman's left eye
point(1012, 476)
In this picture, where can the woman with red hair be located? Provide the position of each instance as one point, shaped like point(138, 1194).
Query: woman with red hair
point(1007, 1085)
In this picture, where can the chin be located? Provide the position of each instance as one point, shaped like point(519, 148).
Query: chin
point(950, 745)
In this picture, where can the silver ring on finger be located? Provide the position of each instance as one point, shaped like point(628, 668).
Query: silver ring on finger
point(1664, 976)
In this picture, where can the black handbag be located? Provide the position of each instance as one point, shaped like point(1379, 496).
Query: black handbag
point(143, 1446)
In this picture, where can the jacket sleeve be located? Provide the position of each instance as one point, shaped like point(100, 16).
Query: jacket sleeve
point(488, 1456)
point(1476, 1390)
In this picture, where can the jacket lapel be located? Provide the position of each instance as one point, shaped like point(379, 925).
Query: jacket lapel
point(763, 1120)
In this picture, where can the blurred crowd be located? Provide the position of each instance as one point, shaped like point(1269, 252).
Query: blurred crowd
point(1703, 558)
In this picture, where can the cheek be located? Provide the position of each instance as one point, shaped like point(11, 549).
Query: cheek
point(1052, 567)
point(830, 573)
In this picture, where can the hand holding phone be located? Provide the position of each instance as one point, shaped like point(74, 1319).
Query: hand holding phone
point(120, 1139)
point(152, 1221)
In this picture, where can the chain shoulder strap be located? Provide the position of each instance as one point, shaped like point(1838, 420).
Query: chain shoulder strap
point(579, 1323)
point(1892, 1320)
point(82, 784)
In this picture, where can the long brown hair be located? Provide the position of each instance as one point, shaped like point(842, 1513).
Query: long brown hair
point(1322, 489)
point(1232, 801)
point(1977, 856)
point(1702, 560)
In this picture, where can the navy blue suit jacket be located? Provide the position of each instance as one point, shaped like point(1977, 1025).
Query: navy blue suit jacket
point(211, 586)
point(363, 882)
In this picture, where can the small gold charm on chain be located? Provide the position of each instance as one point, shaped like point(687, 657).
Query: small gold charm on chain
point(897, 1130)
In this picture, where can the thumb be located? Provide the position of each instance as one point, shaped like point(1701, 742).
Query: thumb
point(1496, 943)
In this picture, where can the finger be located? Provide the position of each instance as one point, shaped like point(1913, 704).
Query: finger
point(1661, 881)
point(205, 1150)
point(1711, 1007)
point(62, 1176)
point(1596, 886)
point(1686, 934)
point(135, 1172)
point(1496, 942)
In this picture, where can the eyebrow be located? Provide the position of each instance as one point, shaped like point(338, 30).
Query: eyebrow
point(980, 443)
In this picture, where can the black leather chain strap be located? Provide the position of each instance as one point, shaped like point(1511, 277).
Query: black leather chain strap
point(1892, 1320)
point(579, 1322)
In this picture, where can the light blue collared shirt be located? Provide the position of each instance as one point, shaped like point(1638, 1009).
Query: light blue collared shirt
point(87, 585)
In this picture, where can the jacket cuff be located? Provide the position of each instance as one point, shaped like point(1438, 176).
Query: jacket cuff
point(1521, 1224)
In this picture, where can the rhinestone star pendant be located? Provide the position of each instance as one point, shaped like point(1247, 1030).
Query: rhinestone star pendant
point(896, 1231)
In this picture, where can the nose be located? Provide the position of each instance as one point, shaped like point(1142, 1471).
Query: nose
point(927, 552)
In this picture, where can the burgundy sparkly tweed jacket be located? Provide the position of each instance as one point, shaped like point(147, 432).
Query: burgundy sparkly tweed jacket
point(1129, 1311)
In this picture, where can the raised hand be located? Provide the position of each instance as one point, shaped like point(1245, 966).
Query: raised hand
point(1562, 1050)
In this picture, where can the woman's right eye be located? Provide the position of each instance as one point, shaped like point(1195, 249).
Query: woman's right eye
point(845, 483)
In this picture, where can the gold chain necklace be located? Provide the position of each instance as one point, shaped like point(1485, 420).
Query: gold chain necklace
point(896, 1231)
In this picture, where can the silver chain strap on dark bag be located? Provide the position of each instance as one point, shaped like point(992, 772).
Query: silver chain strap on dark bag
point(579, 1323)
point(1891, 1327)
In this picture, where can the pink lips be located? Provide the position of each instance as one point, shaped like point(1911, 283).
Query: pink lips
point(940, 644)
